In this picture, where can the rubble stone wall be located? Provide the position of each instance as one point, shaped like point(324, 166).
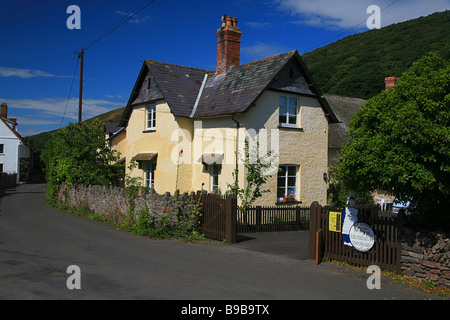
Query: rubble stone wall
point(426, 257)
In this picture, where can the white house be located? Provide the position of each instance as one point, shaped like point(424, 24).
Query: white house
point(13, 149)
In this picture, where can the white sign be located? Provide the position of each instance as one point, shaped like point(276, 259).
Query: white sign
point(361, 237)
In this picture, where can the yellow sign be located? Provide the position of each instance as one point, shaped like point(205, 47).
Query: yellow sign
point(335, 220)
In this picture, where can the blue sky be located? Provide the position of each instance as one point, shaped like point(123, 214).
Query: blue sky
point(38, 60)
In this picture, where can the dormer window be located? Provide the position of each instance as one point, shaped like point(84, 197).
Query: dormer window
point(151, 117)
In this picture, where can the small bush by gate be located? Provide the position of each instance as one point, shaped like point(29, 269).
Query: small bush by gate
point(385, 253)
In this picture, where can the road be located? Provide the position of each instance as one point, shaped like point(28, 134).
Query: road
point(38, 243)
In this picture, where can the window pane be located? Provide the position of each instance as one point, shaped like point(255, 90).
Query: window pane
point(291, 181)
point(281, 182)
point(283, 101)
point(292, 171)
point(292, 120)
point(281, 193)
point(293, 102)
point(282, 171)
point(292, 111)
point(291, 191)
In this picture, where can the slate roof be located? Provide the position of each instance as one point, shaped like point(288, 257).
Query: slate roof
point(344, 108)
point(235, 90)
point(229, 93)
point(179, 85)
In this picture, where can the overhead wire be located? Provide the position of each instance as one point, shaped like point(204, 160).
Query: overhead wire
point(120, 23)
point(344, 32)
point(70, 92)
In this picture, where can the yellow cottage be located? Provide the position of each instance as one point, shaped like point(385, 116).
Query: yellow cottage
point(184, 125)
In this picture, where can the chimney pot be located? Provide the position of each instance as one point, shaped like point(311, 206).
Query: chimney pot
point(390, 82)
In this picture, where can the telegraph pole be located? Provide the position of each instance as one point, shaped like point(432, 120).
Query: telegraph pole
point(80, 101)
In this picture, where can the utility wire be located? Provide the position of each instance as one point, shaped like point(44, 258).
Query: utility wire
point(51, 78)
point(70, 92)
point(120, 23)
point(344, 32)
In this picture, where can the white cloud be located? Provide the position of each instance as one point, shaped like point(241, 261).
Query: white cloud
point(56, 106)
point(46, 114)
point(344, 14)
point(26, 73)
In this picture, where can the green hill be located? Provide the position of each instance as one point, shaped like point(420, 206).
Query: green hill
point(357, 65)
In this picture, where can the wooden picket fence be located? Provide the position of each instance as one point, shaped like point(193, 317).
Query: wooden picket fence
point(385, 253)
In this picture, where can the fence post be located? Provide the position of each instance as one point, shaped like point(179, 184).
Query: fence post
point(231, 218)
point(258, 218)
point(314, 226)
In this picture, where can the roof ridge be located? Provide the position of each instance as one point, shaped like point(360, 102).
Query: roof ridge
point(176, 65)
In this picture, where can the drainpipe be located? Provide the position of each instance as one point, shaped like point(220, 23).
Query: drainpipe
point(236, 151)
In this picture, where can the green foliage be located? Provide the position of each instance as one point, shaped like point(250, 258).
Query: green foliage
point(256, 175)
point(338, 193)
point(401, 140)
point(357, 65)
point(79, 155)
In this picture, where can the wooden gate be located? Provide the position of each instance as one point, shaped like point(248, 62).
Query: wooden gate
point(219, 217)
point(273, 218)
point(385, 253)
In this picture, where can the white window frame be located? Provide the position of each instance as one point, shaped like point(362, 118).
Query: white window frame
point(150, 117)
point(149, 174)
point(286, 177)
point(288, 110)
point(214, 173)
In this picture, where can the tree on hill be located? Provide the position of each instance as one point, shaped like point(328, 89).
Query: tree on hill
point(400, 141)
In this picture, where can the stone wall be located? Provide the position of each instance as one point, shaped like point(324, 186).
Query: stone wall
point(426, 257)
point(114, 204)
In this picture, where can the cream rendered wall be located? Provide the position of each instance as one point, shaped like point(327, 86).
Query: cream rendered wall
point(119, 143)
point(307, 148)
point(164, 141)
point(214, 135)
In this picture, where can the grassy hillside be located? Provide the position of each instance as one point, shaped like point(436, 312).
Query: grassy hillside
point(357, 65)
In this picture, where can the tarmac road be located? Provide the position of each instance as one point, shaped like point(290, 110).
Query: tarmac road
point(39, 243)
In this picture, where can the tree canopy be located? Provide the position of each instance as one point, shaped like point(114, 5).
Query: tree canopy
point(400, 140)
point(79, 155)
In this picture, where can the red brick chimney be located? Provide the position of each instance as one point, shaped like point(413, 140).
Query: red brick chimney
point(228, 45)
point(390, 82)
point(4, 110)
